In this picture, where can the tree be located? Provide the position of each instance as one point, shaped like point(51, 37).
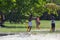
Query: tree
point(23, 8)
point(52, 8)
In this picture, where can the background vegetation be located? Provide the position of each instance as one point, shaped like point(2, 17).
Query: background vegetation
point(19, 10)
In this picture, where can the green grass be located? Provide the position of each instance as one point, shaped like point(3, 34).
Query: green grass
point(45, 24)
point(12, 30)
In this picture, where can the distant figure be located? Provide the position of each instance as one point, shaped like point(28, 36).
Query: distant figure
point(2, 19)
point(53, 23)
point(37, 22)
point(29, 23)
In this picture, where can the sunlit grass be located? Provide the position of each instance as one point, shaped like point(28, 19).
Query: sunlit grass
point(45, 24)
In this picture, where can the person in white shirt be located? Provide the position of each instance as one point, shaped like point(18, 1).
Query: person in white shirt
point(29, 23)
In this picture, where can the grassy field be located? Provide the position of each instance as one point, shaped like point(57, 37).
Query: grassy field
point(45, 24)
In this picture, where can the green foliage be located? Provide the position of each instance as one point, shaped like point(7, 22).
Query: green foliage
point(52, 8)
point(23, 8)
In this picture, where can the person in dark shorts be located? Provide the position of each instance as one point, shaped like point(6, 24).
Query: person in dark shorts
point(2, 19)
point(37, 22)
point(53, 24)
point(29, 26)
point(29, 23)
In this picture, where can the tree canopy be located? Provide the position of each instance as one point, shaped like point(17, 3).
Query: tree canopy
point(21, 9)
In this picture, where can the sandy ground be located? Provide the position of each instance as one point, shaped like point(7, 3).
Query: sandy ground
point(30, 36)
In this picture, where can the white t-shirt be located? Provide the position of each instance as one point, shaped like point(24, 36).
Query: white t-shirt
point(52, 21)
point(30, 23)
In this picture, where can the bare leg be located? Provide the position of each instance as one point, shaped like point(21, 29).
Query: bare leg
point(28, 28)
point(38, 27)
point(53, 29)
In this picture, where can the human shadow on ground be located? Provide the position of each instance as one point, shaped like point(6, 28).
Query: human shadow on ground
point(15, 27)
point(5, 34)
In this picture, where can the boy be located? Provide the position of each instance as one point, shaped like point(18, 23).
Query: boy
point(29, 23)
point(53, 23)
point(29, 26)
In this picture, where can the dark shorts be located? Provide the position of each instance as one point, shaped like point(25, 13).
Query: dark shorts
point(29, 26)
point(53, 25)
point(38, 23)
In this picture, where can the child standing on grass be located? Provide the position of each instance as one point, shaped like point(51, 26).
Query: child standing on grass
point(29, 24)
point(37, 22)
point(53, 23)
